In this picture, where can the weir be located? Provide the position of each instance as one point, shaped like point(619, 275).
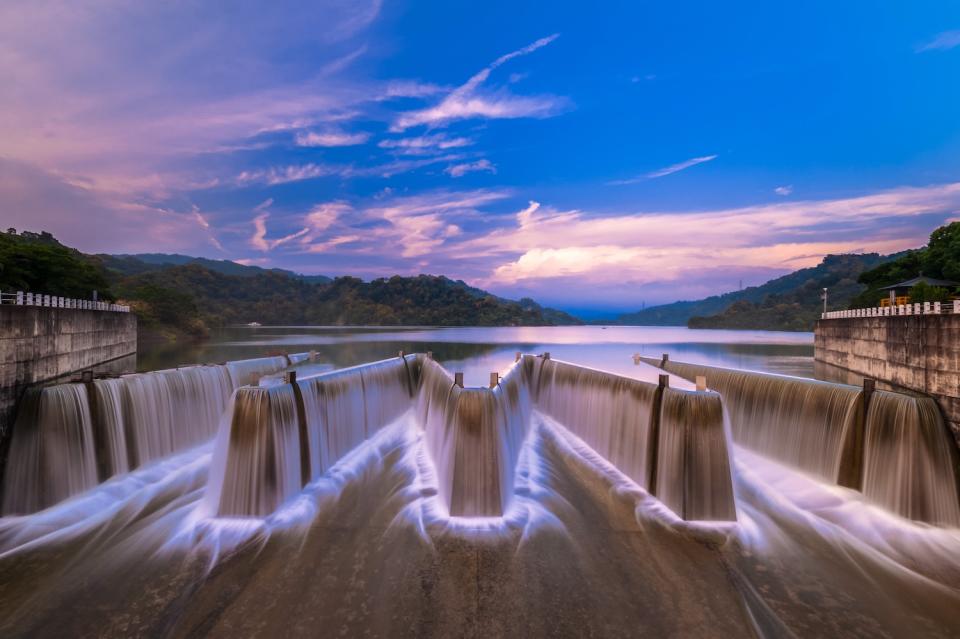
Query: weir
point(67, 438)
point(893, 447)
point(473, 436)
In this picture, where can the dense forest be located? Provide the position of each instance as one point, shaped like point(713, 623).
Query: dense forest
point(939, 259)
point(177, 296)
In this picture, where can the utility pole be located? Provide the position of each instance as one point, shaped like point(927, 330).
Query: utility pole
point(824, 296)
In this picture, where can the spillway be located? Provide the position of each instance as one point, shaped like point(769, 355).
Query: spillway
point(898, 452)
point(474, 435)
point(68, 438)
point(389, 500)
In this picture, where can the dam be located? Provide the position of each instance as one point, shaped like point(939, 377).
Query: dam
point(391, 499)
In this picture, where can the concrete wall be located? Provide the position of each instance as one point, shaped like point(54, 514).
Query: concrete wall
point(39, 344)
point(916, 352)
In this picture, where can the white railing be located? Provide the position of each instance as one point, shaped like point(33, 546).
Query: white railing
point(926, 308)
point(20, 298)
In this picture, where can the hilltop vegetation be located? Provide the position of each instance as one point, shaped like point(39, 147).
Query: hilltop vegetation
point(180, 296)
point(38, 262)
point(790, 303)
point(940, 259)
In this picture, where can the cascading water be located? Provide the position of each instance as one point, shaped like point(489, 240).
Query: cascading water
point(611, 414)
point(909, 459)
point(276, 439)
point(899, 455)
point(693, 467)
point(365, 551)
point(167, 411)
point(52, 452)
point(472, 435)
point(122, 423)
point(474, 438)
point(108, 423)
point(798, 421)
point(260, 454)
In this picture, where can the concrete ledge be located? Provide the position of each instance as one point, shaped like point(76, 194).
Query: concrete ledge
point(40, 344)
point(915, 352)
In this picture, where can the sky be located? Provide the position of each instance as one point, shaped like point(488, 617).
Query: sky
point(597, 157)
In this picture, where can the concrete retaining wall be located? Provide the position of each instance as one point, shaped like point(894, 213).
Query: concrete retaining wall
point(919, 353)
point(39, 344)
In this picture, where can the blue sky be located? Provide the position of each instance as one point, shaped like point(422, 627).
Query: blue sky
point(595, 158)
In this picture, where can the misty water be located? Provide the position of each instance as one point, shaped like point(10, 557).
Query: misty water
point(242, 536)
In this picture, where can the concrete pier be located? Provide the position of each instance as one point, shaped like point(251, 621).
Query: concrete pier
point(914, 352)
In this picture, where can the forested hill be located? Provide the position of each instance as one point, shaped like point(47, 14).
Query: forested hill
point(143, 262)
point(196, 295)
point(790, 302)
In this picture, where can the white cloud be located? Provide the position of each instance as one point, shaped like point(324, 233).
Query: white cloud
point(784, 190)
point(643, 248)
point(465, 102)
point(330, 138)
point(943, 42)
point(459, 170)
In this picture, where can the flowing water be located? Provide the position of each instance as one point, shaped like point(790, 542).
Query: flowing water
point(386, 501)
point(900, 453)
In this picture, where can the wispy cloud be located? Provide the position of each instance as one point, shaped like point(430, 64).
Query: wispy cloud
point(330, 138)
point(943, 42)
point(465, 102)
point(459, 170)
point(285, 174)
point(784, 190)
point(259, 239)
point(422, 144)
point(275, 175)
point(680, 166)
point(668, 170)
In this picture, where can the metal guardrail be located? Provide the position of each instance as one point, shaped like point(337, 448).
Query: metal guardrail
point(20, 298)
point(926, 308)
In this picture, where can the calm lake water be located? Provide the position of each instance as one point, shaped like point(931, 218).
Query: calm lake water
point(478, 351)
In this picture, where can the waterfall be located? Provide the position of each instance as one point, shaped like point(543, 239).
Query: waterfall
point(280, 437)
point(611, 414)
point(121, 423)
point(693, 468)
point(909, 459)
point(473, 436)
point(167, 411)
point(108, 424)
point(343, 408)
point(261, 465)
point(801, 422)
point(52, 451)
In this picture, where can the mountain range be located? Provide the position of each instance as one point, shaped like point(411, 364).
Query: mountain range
point(178, 296)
